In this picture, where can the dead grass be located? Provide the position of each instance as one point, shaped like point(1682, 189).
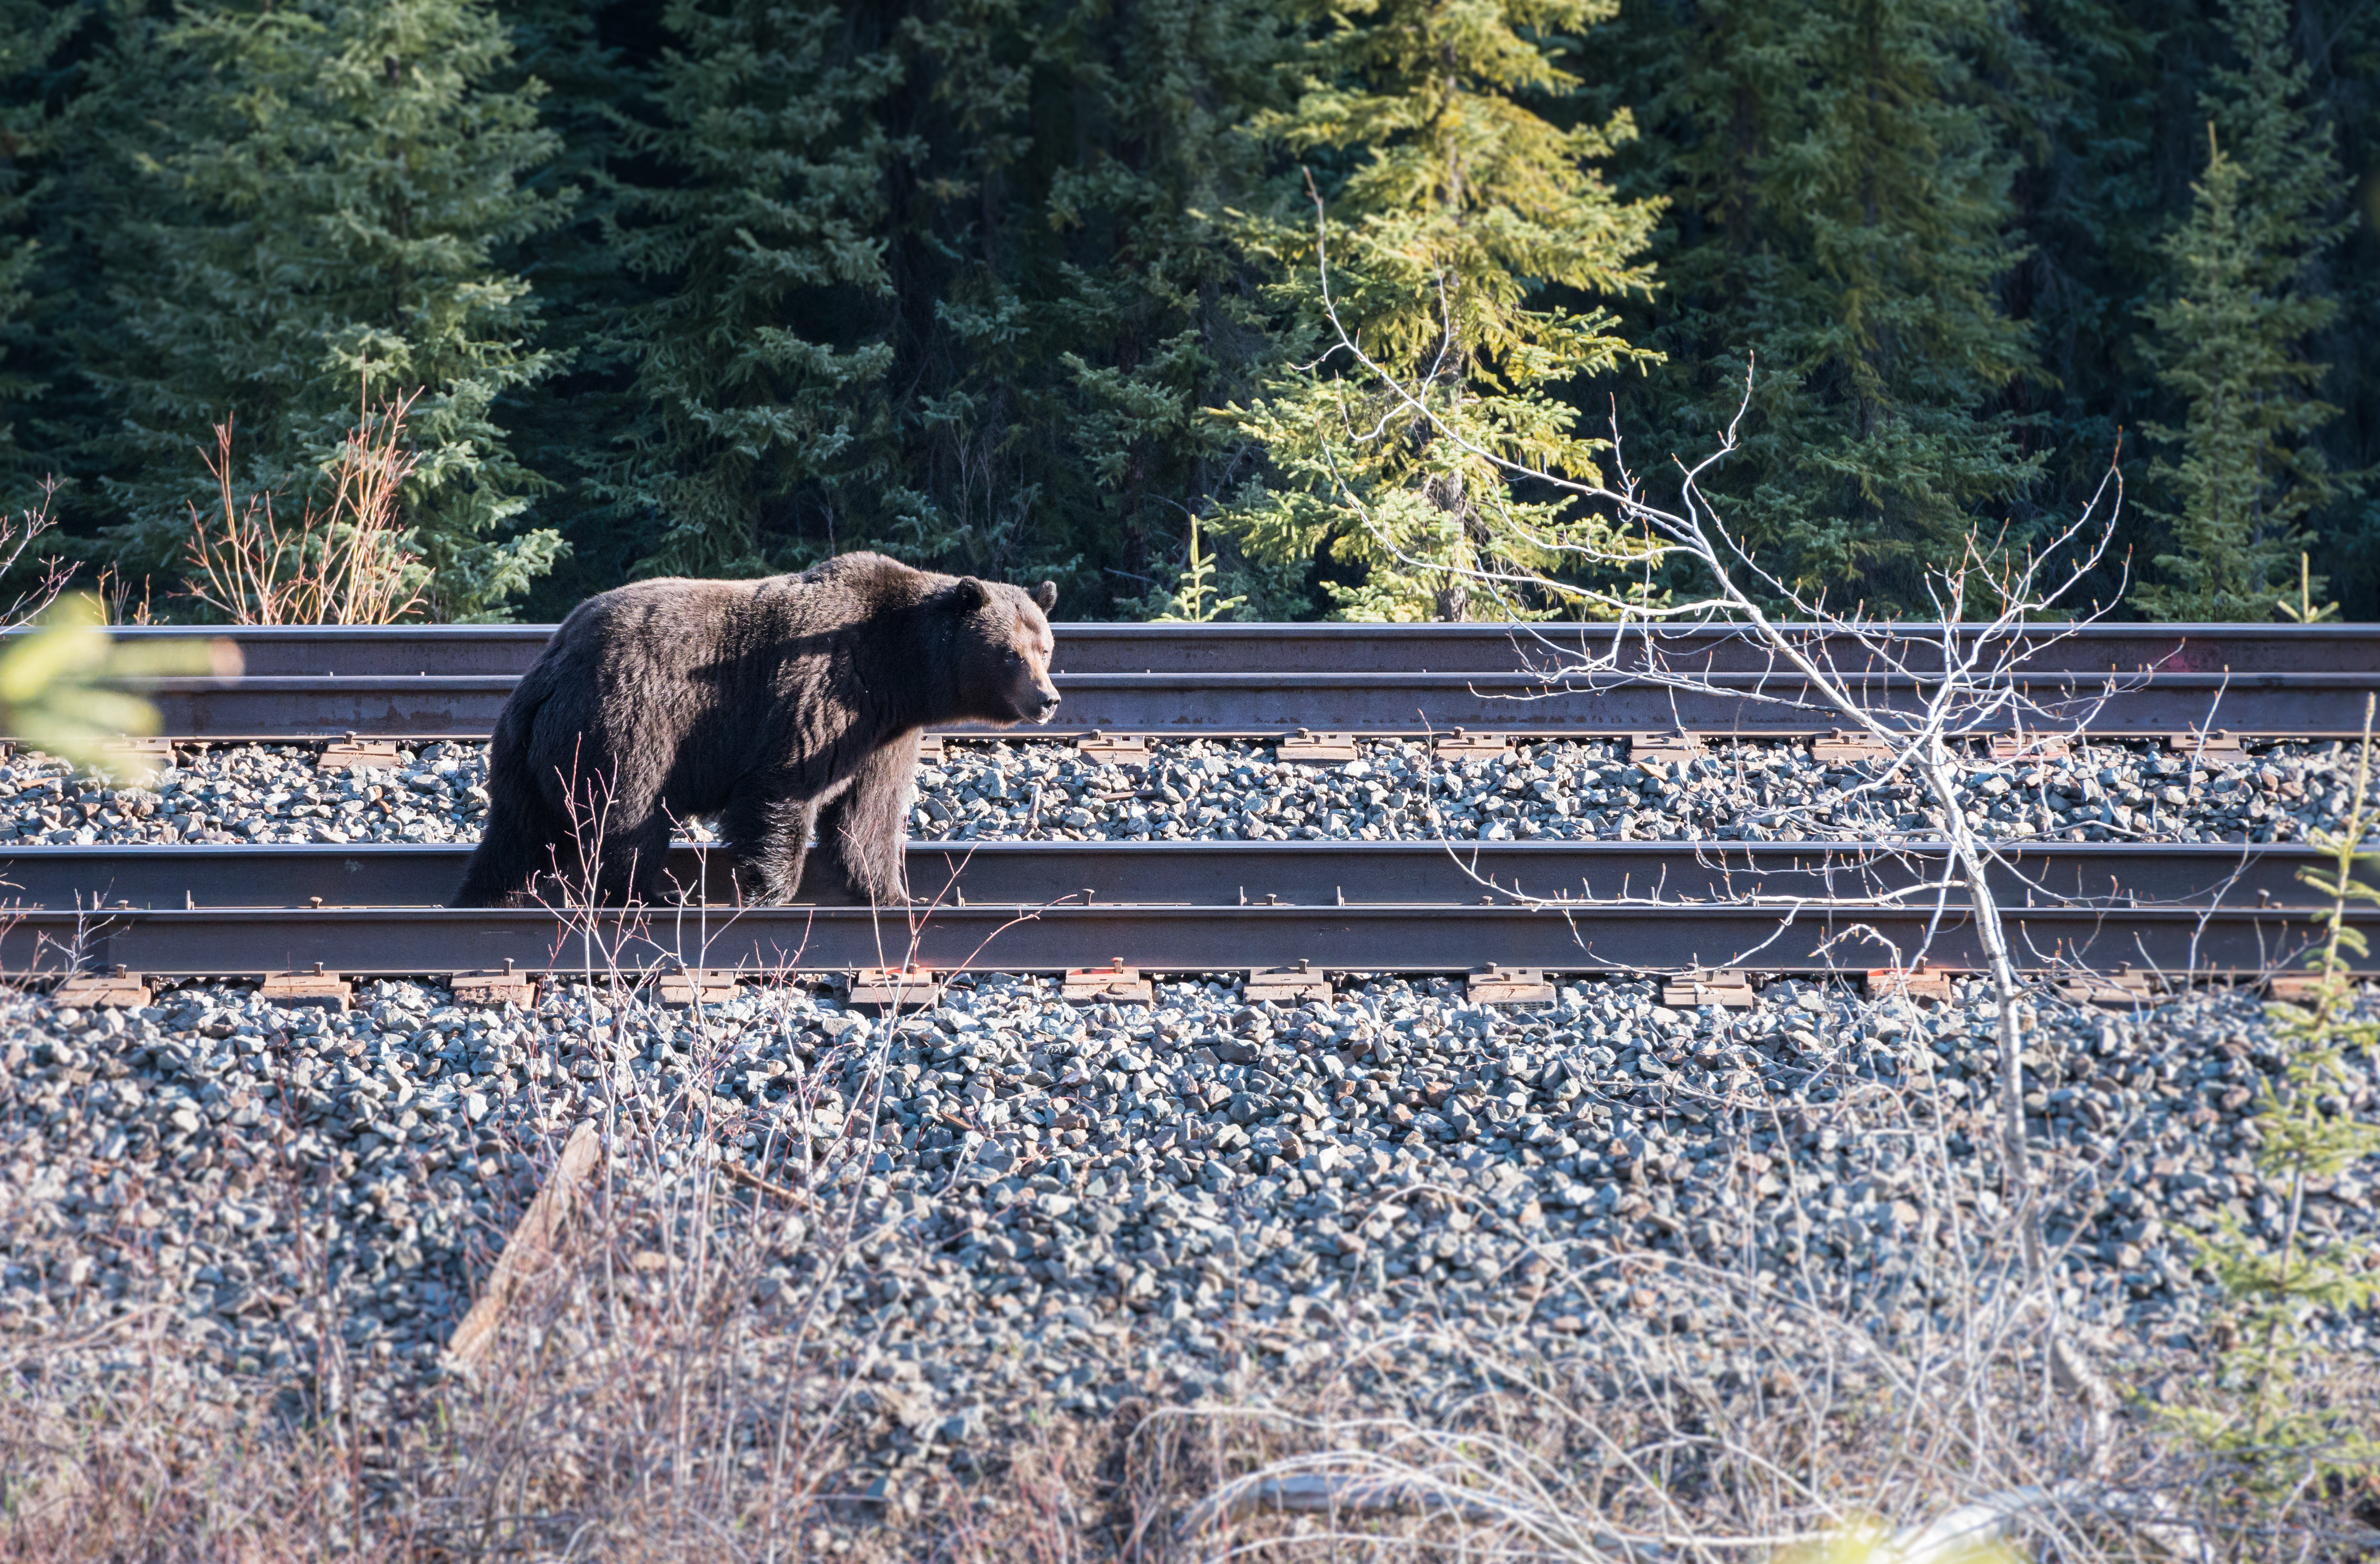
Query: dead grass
point(643, 1402)
point(683, 1380)
point(347, 564)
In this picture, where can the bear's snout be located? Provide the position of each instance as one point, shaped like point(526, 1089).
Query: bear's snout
point(1048, 696)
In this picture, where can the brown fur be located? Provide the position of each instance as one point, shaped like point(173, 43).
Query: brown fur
point(784, 707)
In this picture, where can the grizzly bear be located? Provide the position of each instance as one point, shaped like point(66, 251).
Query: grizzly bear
point(782, 708)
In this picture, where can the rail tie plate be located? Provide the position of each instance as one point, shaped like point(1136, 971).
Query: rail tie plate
point(880, 989)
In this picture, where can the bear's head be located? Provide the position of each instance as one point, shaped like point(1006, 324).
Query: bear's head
point(1005, 648)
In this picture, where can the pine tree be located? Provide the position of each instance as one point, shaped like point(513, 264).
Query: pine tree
point(1139, 313)
point(1841, 173)
point(324, 189)
point(1454, 205)
point(761, 409)
point(31, 33)
point(592, 60)
point(2227, 343)
point(949, 280)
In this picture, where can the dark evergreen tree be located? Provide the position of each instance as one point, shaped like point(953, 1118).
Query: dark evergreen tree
point(1841, 172)
point(759, 408)
point(31, 34)
point(949, 282)
point(2242, 470)
point(319, 191)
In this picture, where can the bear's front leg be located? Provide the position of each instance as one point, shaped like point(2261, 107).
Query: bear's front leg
point(863, 831)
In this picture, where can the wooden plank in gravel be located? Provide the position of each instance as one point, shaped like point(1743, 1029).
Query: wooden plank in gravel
point(528, 1248)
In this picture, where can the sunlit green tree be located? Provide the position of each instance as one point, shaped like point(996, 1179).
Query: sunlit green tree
point(1461, 222)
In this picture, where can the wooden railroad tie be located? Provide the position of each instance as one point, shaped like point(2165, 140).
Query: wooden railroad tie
point(1307, 747)
point(698, 986)
point(1463, 745)
point(352, 753)
point(1114, 749)
point(318, 989)
point(116, 990)
point(1903, 983)
point(492, 989)
point(2219, 744)
point(136, 758)
point(1665, 748)
point(882, 989)
point(1516, 988)
point(1114, 983)
point(2122, 989)
point(1728, 988)
point(2030, 746)
point(1286, 985)
point(1843, 746)
point(2303, 989)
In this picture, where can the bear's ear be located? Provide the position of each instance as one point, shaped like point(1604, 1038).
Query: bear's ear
point(1045, 596)
point(969, 595)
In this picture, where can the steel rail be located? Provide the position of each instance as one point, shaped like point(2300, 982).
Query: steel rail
point(1667, 906)
point(275, 709)
point(1324, 873)
point(451, 651)
point(229, 942)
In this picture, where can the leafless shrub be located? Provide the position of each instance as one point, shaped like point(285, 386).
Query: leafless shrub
point(346, 565)
point(17, 535)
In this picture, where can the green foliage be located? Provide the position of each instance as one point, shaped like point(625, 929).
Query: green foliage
point(1461, 204)
point(759, 375)
point(325, 215)
point(2258, 1417)
point(933, 280)
point(30, 35)
point(1844, 168)
point(1196, 602)
point(730, 286)
point(2229, 341)
point(57, 684)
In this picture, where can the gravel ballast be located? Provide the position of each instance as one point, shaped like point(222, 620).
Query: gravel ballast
point(1213, 789)
point(1098, 1203)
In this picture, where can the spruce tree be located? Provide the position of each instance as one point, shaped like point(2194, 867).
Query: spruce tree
point(31, 33)
point(951, 281)
point(1455, 208)
point(2242, 470)
point(1137, 313)
point(757, 222)
point(323, 186)
point(1841, 173)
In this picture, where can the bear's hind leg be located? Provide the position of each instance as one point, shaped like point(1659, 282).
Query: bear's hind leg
point(630, 864)
point(518, 843)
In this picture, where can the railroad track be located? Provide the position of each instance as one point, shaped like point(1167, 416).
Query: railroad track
point(418, 683)
point(1195, 906)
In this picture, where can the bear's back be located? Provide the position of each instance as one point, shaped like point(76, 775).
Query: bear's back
point(682, 623)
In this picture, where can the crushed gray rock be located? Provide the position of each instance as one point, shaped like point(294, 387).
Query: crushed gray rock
point(1108, 1203)
point(1211, 789)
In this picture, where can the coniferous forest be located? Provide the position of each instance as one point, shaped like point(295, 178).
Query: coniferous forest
point(1029, 287)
